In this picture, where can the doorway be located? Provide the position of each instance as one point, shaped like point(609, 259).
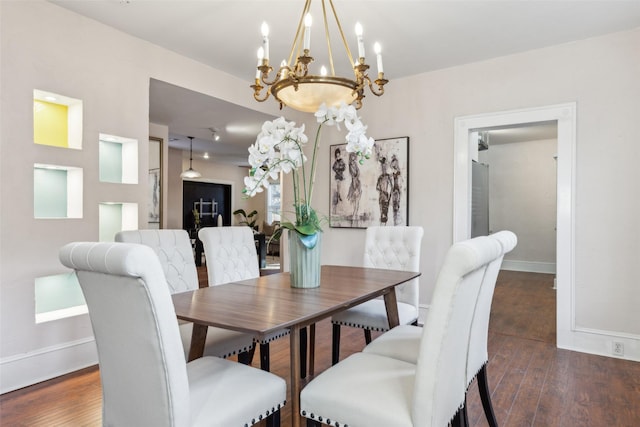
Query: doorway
point(565, 116)
point(514, 182)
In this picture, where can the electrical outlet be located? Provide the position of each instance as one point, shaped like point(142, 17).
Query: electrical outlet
point(618, 348)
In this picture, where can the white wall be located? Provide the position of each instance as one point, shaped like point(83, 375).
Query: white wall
point(601, 76)
point(522, 198)
point(47, 47)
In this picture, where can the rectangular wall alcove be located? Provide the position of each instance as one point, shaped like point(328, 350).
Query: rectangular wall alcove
point(57, 120)
point(57, 191)
point(118, 159)
point(58, 296)
point(114, 217)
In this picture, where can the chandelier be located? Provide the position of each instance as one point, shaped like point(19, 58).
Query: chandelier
point(294, 86)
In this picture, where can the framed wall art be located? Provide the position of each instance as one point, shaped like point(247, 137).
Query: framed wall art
point(154, 197)
point(374, 192)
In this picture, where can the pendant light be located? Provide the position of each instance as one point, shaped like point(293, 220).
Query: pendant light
point(190, 173)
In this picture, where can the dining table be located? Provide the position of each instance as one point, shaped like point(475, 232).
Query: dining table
point(267, 304)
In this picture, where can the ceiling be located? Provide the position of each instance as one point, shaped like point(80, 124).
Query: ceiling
point(416, 37)
point(189, 113)
point(520, 133)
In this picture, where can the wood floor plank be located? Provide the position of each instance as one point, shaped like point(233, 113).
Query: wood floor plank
point(525, 405)
point(555, 391)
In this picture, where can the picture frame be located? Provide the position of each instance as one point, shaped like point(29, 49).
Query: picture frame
point(374, 192)
point(154, 196)
point(154, 191)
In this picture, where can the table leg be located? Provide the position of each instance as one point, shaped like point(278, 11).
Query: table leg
point(198, 339)
point(391, 305)
point(312, 348)
point(294, 345)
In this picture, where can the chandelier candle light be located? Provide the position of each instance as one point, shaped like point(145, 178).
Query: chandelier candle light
point(293, 86)
point(279, 148)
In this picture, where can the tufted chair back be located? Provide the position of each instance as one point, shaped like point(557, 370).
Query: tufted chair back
point(440, 385)
point(230, 253)
point(174, 250)
point(143, 371)
point(478, 355)
point(396, 248)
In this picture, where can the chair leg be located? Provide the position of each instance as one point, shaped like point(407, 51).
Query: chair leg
point(303, 353)
point(245, 357)
point(312, 348)
point(485, 397)
point(273, 420)
point(335, 347)
point(264, 357)
point(464, 415)
point(312, 423)
point(367, 336)
point(457, 420)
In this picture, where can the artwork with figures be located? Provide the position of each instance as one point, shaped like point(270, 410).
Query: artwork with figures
point(154, 195)
point(373, 192)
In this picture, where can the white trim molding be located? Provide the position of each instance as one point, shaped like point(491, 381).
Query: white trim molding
point(565, 116)
point(30, 368)
point(595, 341)
point(529, 266)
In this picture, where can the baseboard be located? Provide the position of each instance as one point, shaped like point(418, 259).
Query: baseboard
point(529, 266)
point(31, 368)
point(594, 341)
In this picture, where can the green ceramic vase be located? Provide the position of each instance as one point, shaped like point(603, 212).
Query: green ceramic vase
point(304, 259)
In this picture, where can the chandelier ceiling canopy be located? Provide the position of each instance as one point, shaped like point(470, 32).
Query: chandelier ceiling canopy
point(295, 86)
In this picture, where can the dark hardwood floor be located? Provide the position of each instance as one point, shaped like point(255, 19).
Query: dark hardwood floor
point(533, 383)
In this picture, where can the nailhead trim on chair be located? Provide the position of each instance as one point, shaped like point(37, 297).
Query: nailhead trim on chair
point(235, 352)
point(319, 419)
point(356, 325)
point(273, 338)
point(266, 414)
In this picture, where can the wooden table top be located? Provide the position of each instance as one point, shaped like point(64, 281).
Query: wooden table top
point(267, 304)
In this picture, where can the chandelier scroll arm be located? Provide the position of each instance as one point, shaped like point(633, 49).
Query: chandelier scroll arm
point(380, 82)
point(257, 88)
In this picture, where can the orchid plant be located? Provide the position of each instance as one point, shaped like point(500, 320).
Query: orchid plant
point(279, 147)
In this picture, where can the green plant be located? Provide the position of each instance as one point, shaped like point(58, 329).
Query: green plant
point(249, 219)
point(196, 218)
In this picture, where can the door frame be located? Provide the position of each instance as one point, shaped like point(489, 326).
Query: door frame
point(565, 115)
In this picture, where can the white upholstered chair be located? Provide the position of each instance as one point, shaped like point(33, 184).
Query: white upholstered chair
point(391, 248)
point(231, 256)
point(371, 390)
point(403, 342)
point(175, 253)
point(145, 378)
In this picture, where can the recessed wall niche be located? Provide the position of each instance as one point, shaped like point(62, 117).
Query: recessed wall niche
point(118, 159)
point(58, 296)
point(57, 120)
point(114, 217)
point(57, 191)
